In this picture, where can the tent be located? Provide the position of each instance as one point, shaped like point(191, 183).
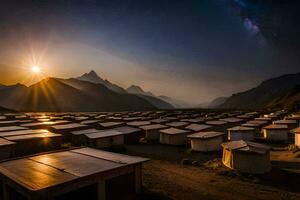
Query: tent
point(276, 132)
point(173, 136)
point(246, 157)
point(206, 141)
point(241, 133)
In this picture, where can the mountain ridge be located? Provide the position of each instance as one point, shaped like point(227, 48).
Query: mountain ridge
point(269, 93)
point(93, 77)
point(57, 95)
point(150, 97)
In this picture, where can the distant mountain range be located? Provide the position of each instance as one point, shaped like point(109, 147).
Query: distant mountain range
point(54, 94)
point(283, 92)
point(175, 102)
point(148, 96)
point(134, 89)
point(93, 77)
point(2, 109)
point(215, 103)
point(88, 92)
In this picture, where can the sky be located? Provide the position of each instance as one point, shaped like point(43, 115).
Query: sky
point(194, 50)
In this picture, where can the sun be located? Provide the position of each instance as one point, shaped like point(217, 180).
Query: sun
point(36, 69)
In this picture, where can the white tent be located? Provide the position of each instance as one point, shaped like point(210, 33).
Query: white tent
point(241, 133)
point(152, 131)
point(276, 132)
point(292, 124)
point(247, 157)
point(206, 141)
point(198, 127)
point(173, 136)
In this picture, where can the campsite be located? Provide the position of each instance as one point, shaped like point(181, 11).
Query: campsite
point(149, 100)
point(175, 164)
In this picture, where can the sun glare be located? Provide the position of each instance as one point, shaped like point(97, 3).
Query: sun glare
point(36, 69)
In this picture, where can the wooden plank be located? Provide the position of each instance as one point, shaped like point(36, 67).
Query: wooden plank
point(113, 157)
point(34, 175)
point(75, 163)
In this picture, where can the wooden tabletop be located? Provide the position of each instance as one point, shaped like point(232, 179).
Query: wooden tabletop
point(47, 170)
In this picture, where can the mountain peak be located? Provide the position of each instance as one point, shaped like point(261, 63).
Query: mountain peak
point(134, 89)
point(92, 73)
point(93, 77)
point(17, 85)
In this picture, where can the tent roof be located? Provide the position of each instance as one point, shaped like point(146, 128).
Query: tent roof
point(176, 124)
point(232, 119)
point(103, 134)
point(285, 121)
point(250, 125)
point(246, 146)
point(216, 122)
point(108, 124)
point(86, 131)
point(127, 129)
point(32, 136)
point(276, 127)
point(153, 127)
point(240, 128)
point(173, 131)
point(12, 128)
point(138, 123)
point(197, 127)
point(68, 126)
point(260, 122)
point(206, 135)
point(296, 130)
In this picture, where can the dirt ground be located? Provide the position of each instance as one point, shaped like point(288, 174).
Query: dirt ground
point(164, 177)
point(179, 182)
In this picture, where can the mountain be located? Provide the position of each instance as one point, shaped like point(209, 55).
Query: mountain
point(203, 105)
point(93, 77)
point(214, 103)
point(290, 101)
point(134, 89)
point(148, 96)
point(107, 97)
point(158, 103)
point(12, 97)
point(217, 102)
point(281, 91)
point(175, 102)
point(3, 110)
point(56, 95)
point(18, 85)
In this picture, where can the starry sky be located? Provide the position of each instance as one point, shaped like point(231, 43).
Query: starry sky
point(192, 50)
